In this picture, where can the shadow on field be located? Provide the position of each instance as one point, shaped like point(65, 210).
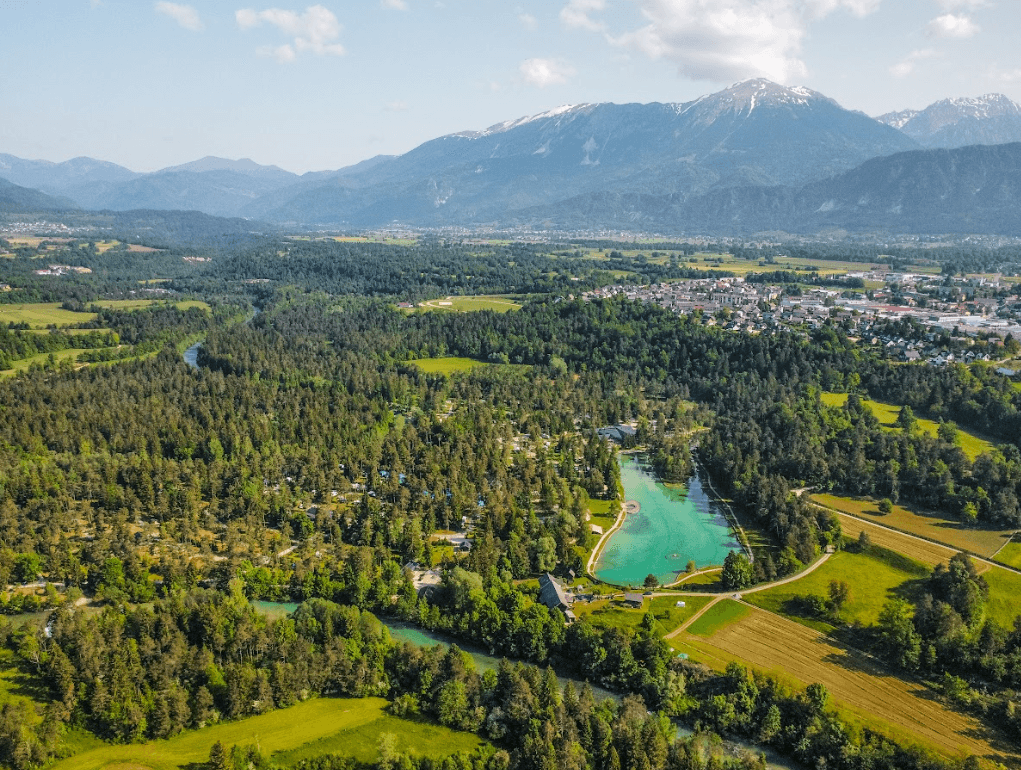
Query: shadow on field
point(854, 659)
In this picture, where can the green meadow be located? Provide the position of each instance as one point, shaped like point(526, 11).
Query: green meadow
point(874, 578)
point(350, 726)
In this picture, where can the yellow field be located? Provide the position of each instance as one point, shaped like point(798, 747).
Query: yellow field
point(858, 683)
point(972, 444)
point(922, 551)
point(935, 526)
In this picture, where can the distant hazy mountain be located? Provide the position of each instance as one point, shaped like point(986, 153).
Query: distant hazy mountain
point(14, 199)
point(989, 119)
point(755, 132)
point(974, 189)
point(56, 178)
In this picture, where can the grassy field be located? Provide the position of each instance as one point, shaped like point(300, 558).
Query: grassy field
point(1011, 554)
point(610, 613)
point(24, 364)
point(935, 526)
point(42, 314)
point(722, 615)
point(874, 578)
point(860, 686)
point(1004, 584)
point(887, 414)
point(1004, 590)
point(360, 742)
point(341, 725)
point(470, 304)
point(447, 366)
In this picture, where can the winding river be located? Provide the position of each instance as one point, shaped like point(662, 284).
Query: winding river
point(672, 525)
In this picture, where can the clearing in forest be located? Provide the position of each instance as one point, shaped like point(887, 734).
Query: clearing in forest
point(904, 710)
point(972, 444)
point(349, 726)
point(471, 304)
point(448, 365)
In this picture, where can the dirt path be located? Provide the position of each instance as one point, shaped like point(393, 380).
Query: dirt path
point(602, 541)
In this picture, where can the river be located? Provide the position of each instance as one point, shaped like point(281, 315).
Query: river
point(191, 354)
point(674, 524)
point(404, 632)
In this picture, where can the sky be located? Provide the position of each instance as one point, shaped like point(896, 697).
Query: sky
point(321, 86)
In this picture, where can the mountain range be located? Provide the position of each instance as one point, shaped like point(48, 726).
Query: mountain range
point(755, 156)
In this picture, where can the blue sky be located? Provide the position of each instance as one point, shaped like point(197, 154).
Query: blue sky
point(320, 86)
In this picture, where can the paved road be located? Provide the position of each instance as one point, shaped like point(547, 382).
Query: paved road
point(720, 596)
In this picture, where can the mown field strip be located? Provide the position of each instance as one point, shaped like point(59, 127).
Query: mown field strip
point(923, 551)
point(767, 641)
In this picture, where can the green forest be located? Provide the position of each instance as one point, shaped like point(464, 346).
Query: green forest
point(146, 504)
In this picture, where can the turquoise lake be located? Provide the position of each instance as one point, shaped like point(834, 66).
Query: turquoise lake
point(672, 527)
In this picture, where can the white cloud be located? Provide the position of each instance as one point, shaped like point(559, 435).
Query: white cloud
point(950, 25)
point(394, 5)
point(184, 15)
point(953, 5)
point(528, 21)
point(313, 31)
point(819, 8)
point(907, 65)
point(720, 40)
point(577, 14)
point(396, 107)
point(546, 72)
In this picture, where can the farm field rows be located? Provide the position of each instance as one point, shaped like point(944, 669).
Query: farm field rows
point(972, 444)
point(934, 526)
point(922, 551)
point(858, 684)
point(350, 726)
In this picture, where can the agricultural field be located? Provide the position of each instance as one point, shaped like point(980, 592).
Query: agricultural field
point(933, 526)
point(447, 366)
point(39, 315)
point(348, 726)
point(922, 551)
point(470, 304)
point(1004, 583)
point(862, 688)
point(874, 578)
point(972, 444)
point(611, 613)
